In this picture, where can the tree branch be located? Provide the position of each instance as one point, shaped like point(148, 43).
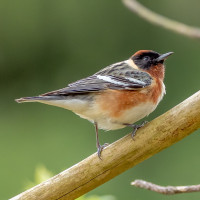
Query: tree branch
point(123, 154)
point(165, 189)
point(154, 18)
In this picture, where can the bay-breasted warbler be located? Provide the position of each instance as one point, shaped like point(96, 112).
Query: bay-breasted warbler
point(116, 96)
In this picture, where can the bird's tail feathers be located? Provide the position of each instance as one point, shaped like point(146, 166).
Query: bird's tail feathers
point(33, 99)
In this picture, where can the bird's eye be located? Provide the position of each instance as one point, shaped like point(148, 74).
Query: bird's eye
point(146, 58)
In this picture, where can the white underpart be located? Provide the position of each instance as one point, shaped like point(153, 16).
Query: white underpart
point(92, 113)
point(130, 116)
point(75, 105)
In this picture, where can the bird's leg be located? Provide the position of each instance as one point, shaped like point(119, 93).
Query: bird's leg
point(136, 127)
point(99, 147)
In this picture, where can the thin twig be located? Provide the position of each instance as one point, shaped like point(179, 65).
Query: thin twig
point(178, 27)
point(165, 189)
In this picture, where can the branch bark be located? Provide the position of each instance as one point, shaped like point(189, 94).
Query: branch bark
point(166, 189)
point(154, 18)
point(123, 154)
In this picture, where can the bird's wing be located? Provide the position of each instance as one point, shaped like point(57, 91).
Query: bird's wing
point(119, 76)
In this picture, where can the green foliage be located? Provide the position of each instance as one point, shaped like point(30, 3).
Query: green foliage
point(41, 174)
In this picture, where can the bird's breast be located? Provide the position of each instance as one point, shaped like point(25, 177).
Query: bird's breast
point(120, 107)
point(117, 102)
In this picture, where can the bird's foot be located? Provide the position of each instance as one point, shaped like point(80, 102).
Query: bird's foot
point(100, 149)
point(136, 127)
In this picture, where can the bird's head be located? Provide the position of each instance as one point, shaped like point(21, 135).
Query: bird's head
point(145, 59)
point(150, 61)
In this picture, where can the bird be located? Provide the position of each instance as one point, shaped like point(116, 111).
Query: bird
point(115, 97)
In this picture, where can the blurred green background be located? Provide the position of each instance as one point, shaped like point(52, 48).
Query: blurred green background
point(46, 44)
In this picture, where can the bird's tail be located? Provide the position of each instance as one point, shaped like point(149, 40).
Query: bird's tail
point(32, 99)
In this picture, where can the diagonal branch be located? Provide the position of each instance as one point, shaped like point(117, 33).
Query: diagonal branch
point(166, 189)
point(178, 27)
point(123, 154)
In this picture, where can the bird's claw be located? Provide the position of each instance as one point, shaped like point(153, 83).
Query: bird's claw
point(136, 127)
point(100, 149)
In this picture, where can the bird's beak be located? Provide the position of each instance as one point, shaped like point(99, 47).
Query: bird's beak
point(164, 56)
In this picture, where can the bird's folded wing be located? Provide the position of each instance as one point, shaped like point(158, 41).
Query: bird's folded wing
point(118, 77)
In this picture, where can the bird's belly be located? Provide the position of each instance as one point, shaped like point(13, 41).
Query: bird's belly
point(136, 113)
point(129, 116)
